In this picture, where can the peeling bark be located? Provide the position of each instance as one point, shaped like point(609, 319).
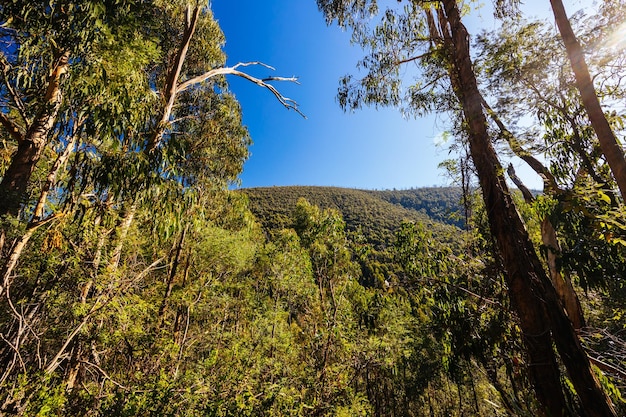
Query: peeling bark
point(14, 184)
point(562, 282)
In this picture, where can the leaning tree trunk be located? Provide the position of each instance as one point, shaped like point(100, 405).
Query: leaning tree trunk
point(561, 282)
point(532, 295)
point(611, 149)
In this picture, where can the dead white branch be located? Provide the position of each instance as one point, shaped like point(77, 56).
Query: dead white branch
point(262, 82)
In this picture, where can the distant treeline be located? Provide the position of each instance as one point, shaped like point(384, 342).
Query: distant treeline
point(376, 214)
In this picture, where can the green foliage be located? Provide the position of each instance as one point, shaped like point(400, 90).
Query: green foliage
point(374, 214)
point(442, 204)
point(147, 288)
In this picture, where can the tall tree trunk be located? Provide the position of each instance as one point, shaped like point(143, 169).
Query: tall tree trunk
point(561, 282)
point(611, 149)
point(505, 224)
point(30, 146)
point(532, 295)
point(171, 83)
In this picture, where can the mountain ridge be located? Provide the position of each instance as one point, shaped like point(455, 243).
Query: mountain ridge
point(376, 214)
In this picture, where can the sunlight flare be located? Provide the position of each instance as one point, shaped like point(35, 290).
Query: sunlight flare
point(618, 38)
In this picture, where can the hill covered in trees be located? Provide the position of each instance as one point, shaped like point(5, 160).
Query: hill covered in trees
point(134, 282)
point(376, 214)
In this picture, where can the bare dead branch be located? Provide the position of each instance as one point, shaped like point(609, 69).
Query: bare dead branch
point(106, 375)
point(58, 358)
point(293, 79)
point(17, 355)
point(528, 196)
point(285, 101)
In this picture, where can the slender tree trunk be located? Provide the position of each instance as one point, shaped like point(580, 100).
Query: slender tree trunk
point(506, 226)
point(171, 83)
point(170, 279)
point(611, 149)
point(36, 221)
point(124, 227)
point(14, 184)
point(561, 282)
point(532, 295)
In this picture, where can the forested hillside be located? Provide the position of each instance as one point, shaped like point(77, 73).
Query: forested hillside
point(375, 214)
point(442, 204)
point(134, 282)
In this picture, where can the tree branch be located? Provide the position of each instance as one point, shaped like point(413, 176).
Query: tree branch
point(285, 101)
point(538, 167)
point(528, 196)
point(14, 96)
point(105, 375)
point(415, 58)
point(170, 88)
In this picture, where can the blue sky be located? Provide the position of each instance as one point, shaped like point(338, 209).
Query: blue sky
point(371, 149)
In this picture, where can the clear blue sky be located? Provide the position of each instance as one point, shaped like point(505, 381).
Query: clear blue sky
point(372, 149)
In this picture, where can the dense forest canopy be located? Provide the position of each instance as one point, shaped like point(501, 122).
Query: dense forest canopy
point(374, 214)
point(135, 282)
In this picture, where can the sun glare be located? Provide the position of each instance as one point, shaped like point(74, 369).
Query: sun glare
point(618, 37)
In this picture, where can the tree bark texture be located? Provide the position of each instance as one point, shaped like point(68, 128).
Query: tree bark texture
point(14, 184)
point(611, 149)
point(541, 316)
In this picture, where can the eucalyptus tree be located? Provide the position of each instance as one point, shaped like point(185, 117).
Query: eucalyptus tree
point(607, 138)
point(113, 73)
point(49, 56)
point(433, 36)
point(117, 122)
point(322, 234)
point(541, 92)
point(112, 83)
